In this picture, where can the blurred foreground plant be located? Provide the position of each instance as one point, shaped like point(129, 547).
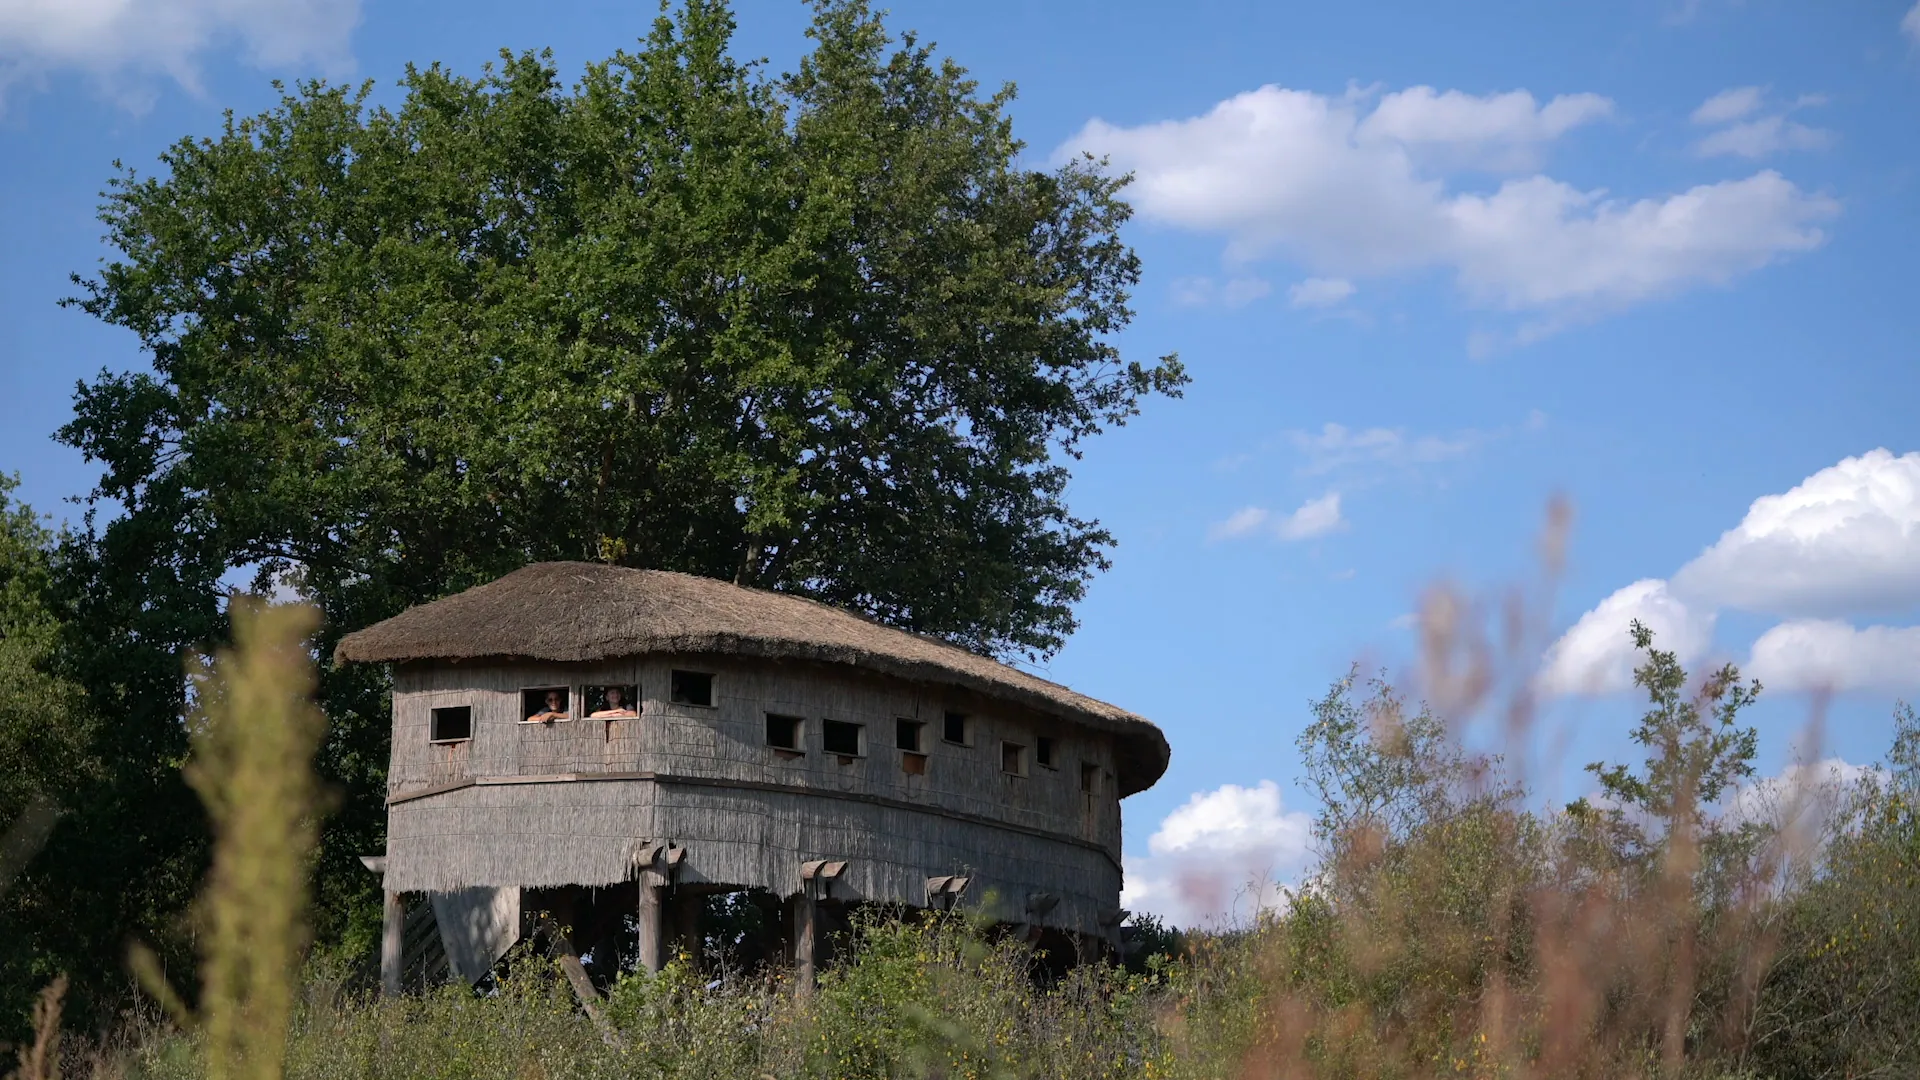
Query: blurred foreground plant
point(254, 732)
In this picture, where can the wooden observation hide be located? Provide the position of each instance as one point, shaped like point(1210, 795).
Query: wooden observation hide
point(659, 736)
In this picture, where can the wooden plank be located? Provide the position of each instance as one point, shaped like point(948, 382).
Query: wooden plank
point(754, 785)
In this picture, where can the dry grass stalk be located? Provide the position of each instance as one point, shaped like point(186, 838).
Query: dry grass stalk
point(254, 735)
point(41, 1061)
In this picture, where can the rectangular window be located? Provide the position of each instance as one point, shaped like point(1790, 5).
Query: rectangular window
point(1089, 777)
point(955, 729)
point(783, 732)
point(545, 704)
point(906, 734)
point(840, 737)
point(1013, 759)
point(452, 724)
point(1043, 751)
point(616, 702)
point(692, 688)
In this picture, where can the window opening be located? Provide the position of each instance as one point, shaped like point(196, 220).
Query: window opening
point(692, 688)
point(955, 729)
point(1043, 751)
point(1089, 777)
point(840, 737)
point(620, 701)
point(1013, 759)
point(907, 734)
point(544, 705)
point(451, 724)
point(783, 732)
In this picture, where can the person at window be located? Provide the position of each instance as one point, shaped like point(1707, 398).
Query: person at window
point(556, 709)
point(617, 707)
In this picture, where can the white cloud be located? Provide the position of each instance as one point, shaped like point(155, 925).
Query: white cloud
point(1730, 104)
point(120, 43)
point(1316, 517)
point(1763, 137)
point(1597, 655)
point(1242, 522)
point(1217, 859)
point(1801, 797)
point(1499, 132)
point(1760, 136)
point(1319, 292)
point(1336, 446)
point(1233, 293)
point(1825, 655)
point(1350, 192)
point(1910, 23)
point(1844, 541)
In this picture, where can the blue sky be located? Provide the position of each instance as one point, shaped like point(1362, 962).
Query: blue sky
point(1429, 265)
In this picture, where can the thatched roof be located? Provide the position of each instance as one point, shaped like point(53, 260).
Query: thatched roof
point(588, 611)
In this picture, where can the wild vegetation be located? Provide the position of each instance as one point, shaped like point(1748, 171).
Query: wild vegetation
point(1667, 929)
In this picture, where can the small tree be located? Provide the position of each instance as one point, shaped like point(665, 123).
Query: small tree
point(1697, 753)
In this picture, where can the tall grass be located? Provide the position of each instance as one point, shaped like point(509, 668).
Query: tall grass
point(1454, 927)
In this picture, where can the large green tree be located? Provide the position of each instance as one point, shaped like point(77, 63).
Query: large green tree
point(822, 332)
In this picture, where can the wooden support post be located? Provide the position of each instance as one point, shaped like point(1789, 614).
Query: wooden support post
point(816, 877)
point(393, 925)
point(805, 921)
point(652, 932)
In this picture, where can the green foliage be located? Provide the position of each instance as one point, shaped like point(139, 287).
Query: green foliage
point(1696, 754)
point(52, 766)
point(916, 999)
point(1843, 998)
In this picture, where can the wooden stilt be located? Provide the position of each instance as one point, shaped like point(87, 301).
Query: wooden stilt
point(652, 932)
point(393, 925)
point(806, 917)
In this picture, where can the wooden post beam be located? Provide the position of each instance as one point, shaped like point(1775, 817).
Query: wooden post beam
point(393, 928)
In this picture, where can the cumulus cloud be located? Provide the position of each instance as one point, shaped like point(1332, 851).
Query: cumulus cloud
point(1597, 655)
point(1827, 655)
point(1349, 191)
point(1498, 132)
point(1319, 292)
point(1218, 859)
point(1315, 517)
point(1802, 797)
point(1844, 541)
point(1729, 104)
point(121, 43)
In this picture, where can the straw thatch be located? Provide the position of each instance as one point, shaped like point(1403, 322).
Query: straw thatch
point(569, 612)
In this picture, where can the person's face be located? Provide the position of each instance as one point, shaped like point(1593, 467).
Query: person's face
point(614, 697)
point(553, 700)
